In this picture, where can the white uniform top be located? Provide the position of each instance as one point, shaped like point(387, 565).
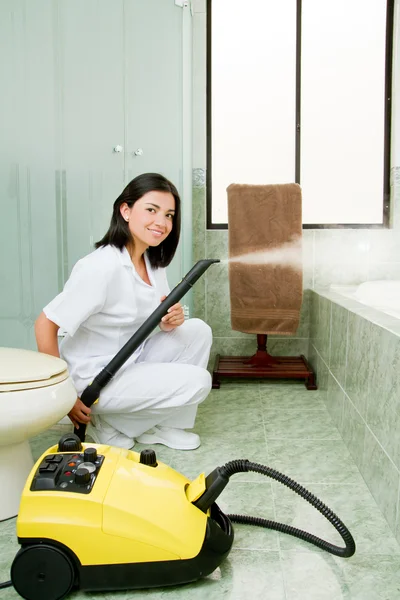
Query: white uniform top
point(102, 305)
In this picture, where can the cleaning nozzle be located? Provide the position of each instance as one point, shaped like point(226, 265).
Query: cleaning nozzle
point(197, 271)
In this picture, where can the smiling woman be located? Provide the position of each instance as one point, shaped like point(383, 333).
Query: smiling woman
point(109, 295)
point(151, 194)
point(150, 221)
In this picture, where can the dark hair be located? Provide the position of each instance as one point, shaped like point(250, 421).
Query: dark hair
point(118, 233)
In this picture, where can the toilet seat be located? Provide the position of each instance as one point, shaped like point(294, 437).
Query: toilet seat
point(25, 369)
point(35, 393)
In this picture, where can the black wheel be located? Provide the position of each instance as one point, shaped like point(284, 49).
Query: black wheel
point(41, 572)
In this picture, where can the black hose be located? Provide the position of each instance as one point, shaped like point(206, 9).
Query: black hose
point(242, 466)
point(5, 584)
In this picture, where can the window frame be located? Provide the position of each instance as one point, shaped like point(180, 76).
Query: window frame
point(297, 125)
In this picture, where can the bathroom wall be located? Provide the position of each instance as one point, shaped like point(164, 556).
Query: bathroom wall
point(330, 255)
point(355, 351)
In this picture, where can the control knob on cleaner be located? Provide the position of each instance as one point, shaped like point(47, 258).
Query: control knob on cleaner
point(96, 517)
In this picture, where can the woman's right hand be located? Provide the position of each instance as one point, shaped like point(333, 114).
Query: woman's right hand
point(79, 413)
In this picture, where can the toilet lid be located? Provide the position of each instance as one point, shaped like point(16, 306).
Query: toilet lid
point(24, 369)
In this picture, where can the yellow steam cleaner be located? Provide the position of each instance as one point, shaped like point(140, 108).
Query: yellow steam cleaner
point(97, 517)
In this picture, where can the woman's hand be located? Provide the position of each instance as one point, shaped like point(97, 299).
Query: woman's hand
point(174, 318)
point(79, 413)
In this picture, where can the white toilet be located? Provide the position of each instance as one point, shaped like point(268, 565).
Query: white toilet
point(35, 393)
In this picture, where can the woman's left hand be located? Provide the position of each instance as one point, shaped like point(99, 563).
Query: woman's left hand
point(174, 318)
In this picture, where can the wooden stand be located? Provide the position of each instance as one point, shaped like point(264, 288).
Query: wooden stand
point(263, 365)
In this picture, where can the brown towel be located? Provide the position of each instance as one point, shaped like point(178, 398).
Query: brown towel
point(265, 297)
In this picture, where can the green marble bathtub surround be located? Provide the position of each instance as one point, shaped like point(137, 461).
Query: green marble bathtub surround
point(358, 362)
point(338, 350)
point(322, 373)
point(313, 358)
point(323, 334)
point(377, 317)
point(303, 330)
point(353, 430)
point(320, 325)
point(334, 400)
point(381, 476)
point(383, 414)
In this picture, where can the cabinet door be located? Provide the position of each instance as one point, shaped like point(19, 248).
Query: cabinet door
point(153, 34)
point(91, 83)
point(79, 79)
point(61, 115)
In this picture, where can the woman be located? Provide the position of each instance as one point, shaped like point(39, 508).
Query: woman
point(153, 398)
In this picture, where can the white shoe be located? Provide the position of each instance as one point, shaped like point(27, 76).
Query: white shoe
point(178, 439)
point(101, 433)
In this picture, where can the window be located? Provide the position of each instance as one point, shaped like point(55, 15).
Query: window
point(300, 91)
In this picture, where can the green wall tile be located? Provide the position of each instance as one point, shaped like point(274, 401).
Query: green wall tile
point(353, 431)
point(324, 328)
point(334, 399)
point(383, 414)
point(338, 353)
point(358, 362)
point(381, 476)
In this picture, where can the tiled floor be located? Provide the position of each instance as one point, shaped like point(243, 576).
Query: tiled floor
point(288, 428)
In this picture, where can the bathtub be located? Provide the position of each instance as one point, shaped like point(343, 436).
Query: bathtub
point(381, 295)
point(355, 351)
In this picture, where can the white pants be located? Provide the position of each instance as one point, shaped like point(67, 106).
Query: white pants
point(165, 384)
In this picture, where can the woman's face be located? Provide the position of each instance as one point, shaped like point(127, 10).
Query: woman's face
point(150, 219)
